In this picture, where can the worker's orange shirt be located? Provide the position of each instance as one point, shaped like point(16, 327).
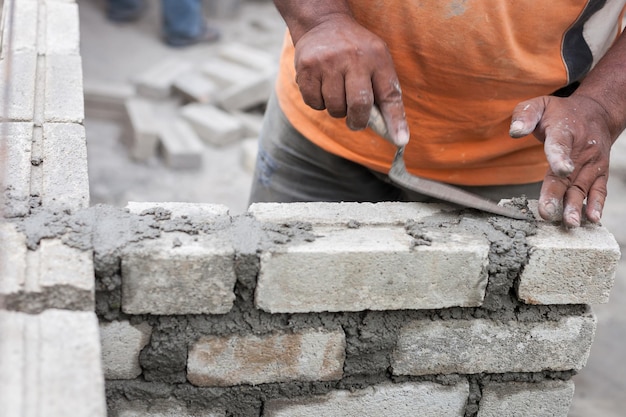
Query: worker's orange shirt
point(463, 66)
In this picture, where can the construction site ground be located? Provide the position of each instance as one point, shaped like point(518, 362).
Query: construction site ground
point(117, 53)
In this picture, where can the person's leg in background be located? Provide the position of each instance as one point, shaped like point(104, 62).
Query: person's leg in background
point(124, 10)
point(184, 23)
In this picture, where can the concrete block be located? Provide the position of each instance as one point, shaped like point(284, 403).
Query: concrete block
point(252, 122)
point(475, 346)
point(311, 355)
point(180, 146)
point(369, 214)
point(214, 126)
point(200, 213)
point(169, 407)
point(122, 343)
point(519, 399)
point(65, 174)
point(63, 97)
point(145, 128)
point(405, 399)
point(179, 274)
point(13, 261)
point(569, 266)
point(16, 142)
point(373, 268)
point(249, 56)
point(106, 99)
point(50, 365)
point(62, 29)
point(21, 86)
point(246, 94)
point(249, 151)
point(156, 82)
point(226, 73)
point(194, 86)
point(24, 18)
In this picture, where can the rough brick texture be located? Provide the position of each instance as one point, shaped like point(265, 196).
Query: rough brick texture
point(307, 356)
point(121, 344)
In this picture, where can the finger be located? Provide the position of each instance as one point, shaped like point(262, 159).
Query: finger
point(596, 198)
point(573, 205)
point(551, 197)
point(359, 100)
point(526, 116)
point(311, 89)
point(388, 96)
point(334, 94)
point(558, 147)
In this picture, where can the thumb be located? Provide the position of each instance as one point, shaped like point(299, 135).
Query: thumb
point(526, 117)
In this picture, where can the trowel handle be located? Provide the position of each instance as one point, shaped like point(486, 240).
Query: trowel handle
point(378, 125)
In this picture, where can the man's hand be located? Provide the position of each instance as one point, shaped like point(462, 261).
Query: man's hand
point(577, 137)
point(343, 67)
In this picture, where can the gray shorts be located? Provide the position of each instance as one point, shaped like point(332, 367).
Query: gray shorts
point(290, 168)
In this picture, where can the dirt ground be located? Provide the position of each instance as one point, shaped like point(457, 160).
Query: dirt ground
point(117, 53)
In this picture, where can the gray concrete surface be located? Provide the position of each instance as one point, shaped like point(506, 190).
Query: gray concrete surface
point(116, 53)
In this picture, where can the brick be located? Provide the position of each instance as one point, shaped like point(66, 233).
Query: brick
point(13, 261)
point(406, 399)
point(312, 355)
point(249, 56)
point(106, 99)
point(252, 122)
point(157, 81)
point(371, 214)
point(65, 174)
point(246, 94)
point(145, 128)
point(63, 97)
point(180, 146)
point(179, 274)
point(169, 407)
point(21, 84)
point(373, 268)
point(226, 73)
point(16, 170)
point(50, 365)
point(519, 399)
point(214, 126)
point(62, 29)
point(194, 86)
point(476, 346)
point(24, 18)
point(249, 151)
point(122, 343)
point(200, 213)
point(569, 266)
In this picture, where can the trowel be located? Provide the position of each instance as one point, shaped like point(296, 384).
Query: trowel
point(445, 192)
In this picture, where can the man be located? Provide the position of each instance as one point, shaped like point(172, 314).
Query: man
point(183, 20)
point(454, 80)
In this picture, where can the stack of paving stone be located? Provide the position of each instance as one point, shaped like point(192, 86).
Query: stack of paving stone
point(176, 108)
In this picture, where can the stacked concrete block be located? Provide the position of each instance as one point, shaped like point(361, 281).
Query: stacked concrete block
point(107, 99)
point(213, 125)
point(145, 129)
point(195, 87)
point(157, 81)
point(180, 146)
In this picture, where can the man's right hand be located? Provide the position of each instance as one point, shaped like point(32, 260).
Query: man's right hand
point(344, 68)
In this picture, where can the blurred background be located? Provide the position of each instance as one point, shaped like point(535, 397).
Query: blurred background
point(120, 63)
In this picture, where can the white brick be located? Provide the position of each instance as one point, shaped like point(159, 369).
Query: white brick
point(50, 365)
point(195, 87)
point(24, 26)
point(121, 345)
point(65, 174)
point(157, 81)
point(475, 346)
point(252, 122)
point(200, 213)
point(107, 99)
point(179, 274)
point(312, 355)
point(246, 94)
point(569, 266)
point(181, 147)
point(145, 128)
point(407, 399)
point(226, 73)
point(62, 29)
point(373, 269)
point(21, 86)
point(63, 97)
point(169, 407)
point(214, 126)
point(249, 151)
point(519, 399)
point(342, 213)
point(249, 56)
point(13, 261)
point(16, 169)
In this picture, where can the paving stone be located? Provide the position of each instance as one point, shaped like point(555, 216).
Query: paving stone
point(216, 127)
point(145, 128)
point(63, 97)
point(157, 81)
point(122, 343)
point(195, 87)
point(180, 146)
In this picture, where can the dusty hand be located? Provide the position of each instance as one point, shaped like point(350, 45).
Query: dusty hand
point(345, 69)
point(577, 134)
